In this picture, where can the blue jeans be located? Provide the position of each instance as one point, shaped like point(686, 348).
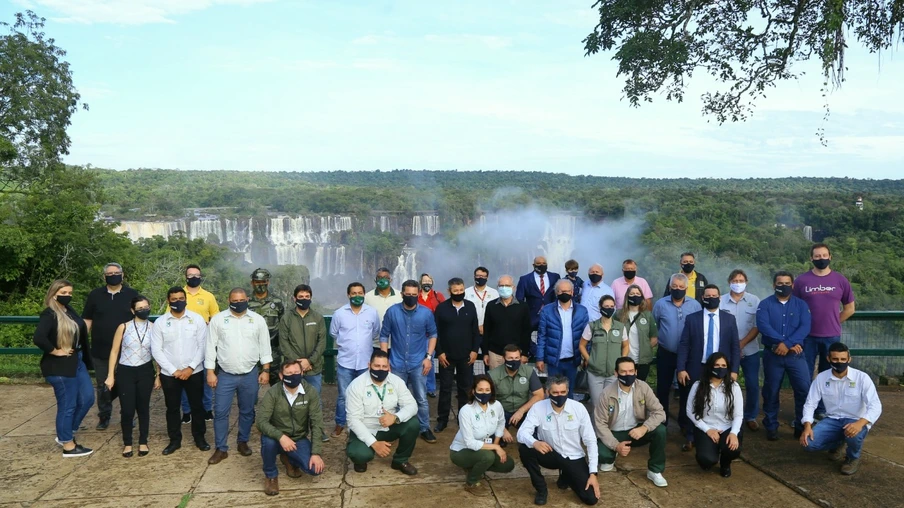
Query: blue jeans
point(750, 366)
point(829, 435)
point(344, 376)
point(228, 385)
point(774, 369)
point(417, 383)
point(431, 379)
point(316, 380)
point(74, 396)
point(208, 399)
point(818, 347)
point(300, 458)
point(567, 369)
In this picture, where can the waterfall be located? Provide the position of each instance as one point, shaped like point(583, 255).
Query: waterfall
point(558, 239)
point(136, 230)
point(407, 266)
point(425, 225)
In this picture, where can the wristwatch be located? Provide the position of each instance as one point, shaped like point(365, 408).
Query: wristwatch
point(429, 356)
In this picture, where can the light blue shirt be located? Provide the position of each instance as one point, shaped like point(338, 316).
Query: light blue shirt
point(567, 339)
point(744, 312)
point(670, 320)
point(590, 298)
point(354, 334)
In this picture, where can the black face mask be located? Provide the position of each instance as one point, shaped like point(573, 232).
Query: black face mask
point(513, 365)
point(193, 282)
point(558, 400)
point(409, 300)
point(573, 275)
point(783, 291)
point(178, 307)
point(635, 300)
point(821, 264)
point(595, 278)
point(113, 280)
point(629, 274)
point(291, 380)
point(143, 314)
point(457, 297)
point(720, 372)
point(427, 287)
point(839, 367)
point(607, 311)
point(627, 380)
point(710, 303)
point(687, 267)
point(541, 269)
point(480, 281)
point(303, 303)
point(678, 294)
point(564, 297)
point(483, 398)
point(64, 300)
point(379, 375)
point(239, 307)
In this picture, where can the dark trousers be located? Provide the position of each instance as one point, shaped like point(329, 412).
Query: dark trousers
point(574, 472)
point(643, 370)
point(666, 363)
point(684, 419)
point(774, 369)
point(172, 395)
point(463, 376)
point(104, 397)
point(709, 454)
point(135, 386)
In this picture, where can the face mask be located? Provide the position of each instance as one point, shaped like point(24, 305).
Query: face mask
point(483, 398)
point(177, 307)
point(821, 264)
point(678, 294)
point(505, 292)
point(738, 287)
point(409, 301)
point(239, 307)
point(541, 269)
point(193, 282)
point(629, 274)
point(607, 311)
point(839, 367)
point(783, 291)
point(480, 281)
point(513, 365)
point(291, 380)
point(564, 297)
point(573, 275)
point(626, 379)
point(427, 287)
point(720, 372)
point(457, 297)
point(64, 300)
point(303, 303)
point(379, 375)
point(687, 267)
point(383, 283)
point(260, 289)
point(595, 278)
point(558, 400)
point(635, 300)
point(356, 301)
point(113, 280)
point(711, 303)
point(143, 314)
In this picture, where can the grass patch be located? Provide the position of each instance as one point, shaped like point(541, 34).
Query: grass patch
point(19, 367)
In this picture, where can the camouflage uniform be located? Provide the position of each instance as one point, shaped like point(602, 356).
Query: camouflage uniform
point(271, 308)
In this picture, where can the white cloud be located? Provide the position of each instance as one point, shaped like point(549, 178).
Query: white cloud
point(488, 41)
point(127, 12)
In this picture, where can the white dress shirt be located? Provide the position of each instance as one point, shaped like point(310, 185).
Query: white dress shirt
point(564, 431)
point(477, 427)
point(565, 315)
point(706, 314)
point(853, 396)
point(627, 420)
point(178, 343)
point(364, 407)
point(237, 344)
point(355, 334)
point(292, 396)
point(481, 299)
point(715, 415)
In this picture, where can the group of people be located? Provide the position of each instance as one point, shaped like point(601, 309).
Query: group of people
point(387, 341)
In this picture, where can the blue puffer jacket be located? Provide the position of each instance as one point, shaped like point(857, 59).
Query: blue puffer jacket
point(549, 333)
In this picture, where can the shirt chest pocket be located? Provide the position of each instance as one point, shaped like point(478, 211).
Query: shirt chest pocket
point(572, 426)
point(850, 395)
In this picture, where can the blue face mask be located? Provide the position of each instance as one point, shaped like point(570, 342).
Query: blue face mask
point(483, 398)
point(505, 292)
point(558, 400)
point(239, 307)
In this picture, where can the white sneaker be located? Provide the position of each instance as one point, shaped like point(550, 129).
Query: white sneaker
point(605, 468)
point(657, 479)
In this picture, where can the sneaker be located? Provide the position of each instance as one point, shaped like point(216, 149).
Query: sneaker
point(208, 416)
point(324, 437)
point(850, 466)
point(103, 424)
point(605, 468)
point(432, 395)
point(428, 436)
point(657, 479)
point(78, 451)
point(186, 418)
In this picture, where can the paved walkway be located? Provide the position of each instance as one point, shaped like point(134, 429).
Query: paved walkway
point(33, 473)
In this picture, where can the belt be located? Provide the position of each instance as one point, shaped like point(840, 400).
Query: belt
point(569, 359)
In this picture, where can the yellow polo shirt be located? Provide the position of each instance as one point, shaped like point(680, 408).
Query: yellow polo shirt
point(202, 302)
point(692, 285)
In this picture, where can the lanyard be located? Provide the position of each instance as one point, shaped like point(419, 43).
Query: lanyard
point(141, 337)
point(481, 297)
point(379, 395)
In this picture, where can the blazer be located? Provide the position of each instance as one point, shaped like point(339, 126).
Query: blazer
point(690, 347)
point(45, 337)
point(529, 292)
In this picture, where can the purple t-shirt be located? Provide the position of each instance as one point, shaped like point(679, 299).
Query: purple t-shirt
point(825, 295)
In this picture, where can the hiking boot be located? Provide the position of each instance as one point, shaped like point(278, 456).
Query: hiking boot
point(291, 471)
point(243, 449)
point(271, 486)
point(850, 466)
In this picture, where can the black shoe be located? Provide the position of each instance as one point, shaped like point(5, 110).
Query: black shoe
point(143, 453)
point(361, 468)
point(186, 418)
point(540, 498)
point(405, 468)
point(561, 482)
point(202, 445)
point(432, 395)
point(208, 416)
point(170, 448)
point(726, 472)
point(772, 435)
point(440, 427)
point(128, 454)
point(428, 436)
point(78, 451)
point(103, 424)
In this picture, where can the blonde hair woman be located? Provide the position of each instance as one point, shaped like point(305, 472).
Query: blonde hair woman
point(63, 337)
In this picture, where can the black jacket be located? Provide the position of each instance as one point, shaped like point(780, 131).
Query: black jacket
point(700, 284)
point(457, 334)
point(506, 325)
point(45, 337)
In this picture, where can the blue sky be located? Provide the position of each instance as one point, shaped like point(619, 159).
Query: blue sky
point(341, 85)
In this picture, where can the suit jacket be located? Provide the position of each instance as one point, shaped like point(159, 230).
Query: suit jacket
point(529, 292)
point(690, 347)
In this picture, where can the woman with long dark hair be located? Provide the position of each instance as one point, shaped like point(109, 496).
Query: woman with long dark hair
point(643, 335)
point(716, 408)
point(132, 369)
point(63, 337)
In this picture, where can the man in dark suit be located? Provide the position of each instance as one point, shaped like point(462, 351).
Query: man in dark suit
point(536, 289)
point(706, 332)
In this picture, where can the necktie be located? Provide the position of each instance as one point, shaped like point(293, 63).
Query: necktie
point(710, 335)
point(542, 286)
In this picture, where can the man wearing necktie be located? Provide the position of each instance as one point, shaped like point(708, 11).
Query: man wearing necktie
point(536, 289)
point(706, 332)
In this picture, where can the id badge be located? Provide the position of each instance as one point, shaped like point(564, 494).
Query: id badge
point(381, 412)
point(488, 440)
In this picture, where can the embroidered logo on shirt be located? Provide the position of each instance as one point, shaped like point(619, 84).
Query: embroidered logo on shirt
point(389, 390)
point(570, 418)
point(492, 412)
point(477, 416)
point(827, 384)
point(643, 321)
point(310, 324)
point(272, 305)
point(549, 418)
point(367, 394)
point(611, 409)
point(853, 384)
point(523, 380)
point(616, 333)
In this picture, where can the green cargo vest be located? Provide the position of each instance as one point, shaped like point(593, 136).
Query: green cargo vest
point(512, 391)
point(605, 348)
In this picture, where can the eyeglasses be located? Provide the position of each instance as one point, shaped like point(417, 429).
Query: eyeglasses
point(113, 273)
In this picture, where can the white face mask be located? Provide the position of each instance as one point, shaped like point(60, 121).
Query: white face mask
point(738, 287)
